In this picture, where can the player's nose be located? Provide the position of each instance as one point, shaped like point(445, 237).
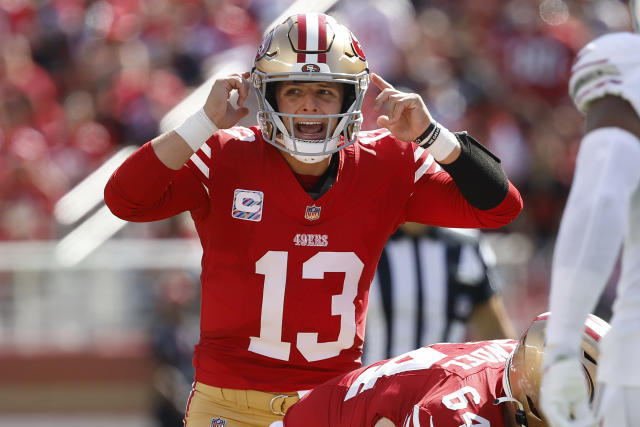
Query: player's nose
point(309, 103)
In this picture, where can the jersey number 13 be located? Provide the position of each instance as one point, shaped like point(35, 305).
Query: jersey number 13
point(273, 265)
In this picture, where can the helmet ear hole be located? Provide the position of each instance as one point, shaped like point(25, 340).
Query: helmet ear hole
point(270, 95)
point(348, 97)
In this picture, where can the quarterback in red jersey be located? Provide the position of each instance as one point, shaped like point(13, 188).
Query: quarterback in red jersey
point(485, 383)
point(293, 214)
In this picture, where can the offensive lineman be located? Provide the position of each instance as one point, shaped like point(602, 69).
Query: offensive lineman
point(601, 216)
point(485, 383)
point(293, 214)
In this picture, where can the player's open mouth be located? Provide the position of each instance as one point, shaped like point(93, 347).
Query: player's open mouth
point(310, 129)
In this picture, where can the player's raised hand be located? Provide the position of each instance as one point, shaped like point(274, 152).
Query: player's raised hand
point(219, 107)
point(407, 116)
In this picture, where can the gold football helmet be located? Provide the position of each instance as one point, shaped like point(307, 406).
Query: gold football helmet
point(310, 47)
point(523, 372)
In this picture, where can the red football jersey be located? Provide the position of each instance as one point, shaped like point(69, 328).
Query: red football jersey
point(442, 385)
point(285, 278)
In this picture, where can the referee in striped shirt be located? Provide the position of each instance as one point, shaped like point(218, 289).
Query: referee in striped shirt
point(433, 285)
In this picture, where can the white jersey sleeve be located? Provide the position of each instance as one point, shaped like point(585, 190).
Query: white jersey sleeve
point(591, 232)
point(609, 65)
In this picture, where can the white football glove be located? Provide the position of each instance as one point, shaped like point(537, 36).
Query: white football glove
point(564, 396)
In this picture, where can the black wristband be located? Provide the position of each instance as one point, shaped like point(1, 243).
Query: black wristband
point(423, 139)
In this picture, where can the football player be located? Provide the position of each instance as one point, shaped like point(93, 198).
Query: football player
point(602, 215)
point(293, 213)
point(445, 385)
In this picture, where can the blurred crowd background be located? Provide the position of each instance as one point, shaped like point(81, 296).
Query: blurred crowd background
point(80, 80)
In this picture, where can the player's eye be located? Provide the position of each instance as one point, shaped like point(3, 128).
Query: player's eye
point(327, 93)
point(292, 91)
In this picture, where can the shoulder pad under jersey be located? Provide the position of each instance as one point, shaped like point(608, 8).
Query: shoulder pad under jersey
point(609, 65)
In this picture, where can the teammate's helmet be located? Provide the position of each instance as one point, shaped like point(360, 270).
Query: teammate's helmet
point(310, 47)
point(523, 372)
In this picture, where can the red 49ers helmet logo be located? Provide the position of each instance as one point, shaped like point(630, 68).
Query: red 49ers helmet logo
point(357, 48)
point(311, 68)
point(264, 46)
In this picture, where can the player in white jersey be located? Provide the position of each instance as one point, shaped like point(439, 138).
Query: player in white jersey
point(602, 216)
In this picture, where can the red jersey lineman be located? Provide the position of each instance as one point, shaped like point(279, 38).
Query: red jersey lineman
point(486, 383)
point(442, 385)
point(293, 215)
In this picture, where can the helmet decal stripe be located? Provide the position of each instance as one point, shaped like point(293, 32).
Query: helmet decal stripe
point(312, 21)
point(312, 32)
point(302, 37)
point(593, 334)
point(596, 327)
point(322, 38)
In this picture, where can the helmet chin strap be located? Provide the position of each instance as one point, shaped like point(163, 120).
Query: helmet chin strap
point(521, 417)
point(340, 128)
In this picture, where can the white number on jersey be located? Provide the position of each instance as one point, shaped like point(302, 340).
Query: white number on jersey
point(471, 419)
point(273, 265)
point(458, 400)
point(454, 401)
point(421, 358)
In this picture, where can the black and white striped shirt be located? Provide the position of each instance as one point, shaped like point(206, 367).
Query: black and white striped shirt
point(425, 290)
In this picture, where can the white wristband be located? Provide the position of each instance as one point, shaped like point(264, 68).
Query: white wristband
point(196, 129)
point(444, 144)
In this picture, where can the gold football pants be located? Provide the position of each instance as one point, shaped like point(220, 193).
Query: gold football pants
point(210, 406)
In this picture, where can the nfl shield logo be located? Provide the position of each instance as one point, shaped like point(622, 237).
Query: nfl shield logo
point(312, 213)
point(218, 422)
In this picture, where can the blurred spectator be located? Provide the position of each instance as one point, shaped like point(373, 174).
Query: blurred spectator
point(79, 79)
